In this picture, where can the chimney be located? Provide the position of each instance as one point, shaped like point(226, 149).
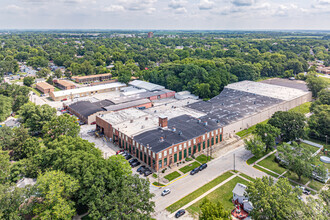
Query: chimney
point(205, 123)
point(161, 139)
point(146, 118)
point(131, 121)
point(162, 121)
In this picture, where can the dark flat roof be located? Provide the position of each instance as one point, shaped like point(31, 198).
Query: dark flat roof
point(231, 105)
point(187, 128)
point(85, 108)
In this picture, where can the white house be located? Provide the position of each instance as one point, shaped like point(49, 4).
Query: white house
point(238, 193)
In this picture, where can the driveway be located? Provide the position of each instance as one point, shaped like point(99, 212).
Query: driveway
point(188, 184)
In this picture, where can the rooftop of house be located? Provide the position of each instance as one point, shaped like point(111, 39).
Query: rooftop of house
point(64, 82)
point(239, 189)
point(45, 85)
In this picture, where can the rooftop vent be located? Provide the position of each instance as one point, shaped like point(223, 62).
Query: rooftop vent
point(205, 123)
point(180, 133)
point(174, 129)
point(146, 118)
point(131, 121)
point(161, 139)
point(199, 121)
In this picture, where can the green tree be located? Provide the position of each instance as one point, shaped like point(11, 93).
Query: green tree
point(54, 190)
point(291, 124)
point(274, 201)
point(43, 73)
point(5, 107)
point(124, 76)
point(34, 116)
point(319, 122)
point(213, 210)
point(28, 81)
point(268, 134)
point(315, 84)
point(61, 125)
point(255, 145)
point(4, 167)
point(58, 73)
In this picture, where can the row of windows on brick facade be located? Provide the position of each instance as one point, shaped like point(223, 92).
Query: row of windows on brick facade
point(123, 142)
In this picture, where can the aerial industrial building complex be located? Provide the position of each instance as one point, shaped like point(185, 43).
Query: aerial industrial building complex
point(170, 129)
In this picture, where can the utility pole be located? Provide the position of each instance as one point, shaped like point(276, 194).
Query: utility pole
point(234, 162)
point(326, 140)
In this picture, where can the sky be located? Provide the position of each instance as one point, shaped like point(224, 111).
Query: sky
point(166, 14)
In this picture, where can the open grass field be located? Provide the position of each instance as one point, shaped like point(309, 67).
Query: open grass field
point(270, 164)
point(309, 147)
point(294, 177)
point(255, 158)
point(304, 108)
point(247, 177)
point(172, 176)
point(265, 171)
point(36, 91)
point(189, 167)
point(315, 185)
point(185, 200)
point(223, 194)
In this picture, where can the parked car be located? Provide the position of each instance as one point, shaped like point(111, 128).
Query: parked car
point(132, 160)
point(194, 171)
point(141, 169)
point(306, 191)
point(128, 156)
point(180, 213)
point(166, 191)
point(202, 167)
point(147, 172)
point(123, 153)
point(119, 151)
point(135, 164)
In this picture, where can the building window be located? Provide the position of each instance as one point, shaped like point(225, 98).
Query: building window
point(175, 148)
point(185, 145)
point(189, 143)
point(160, 155)
point(165, 162)
point(194, 141)
point(212, 133)
point(153, 155)
point(204, 137)
point(133, 142)
point(208, 135)
point(220, 130)
point(170, 151)
point(165, 153)
point(216, 132)
point(160, 163)
point(180, 147)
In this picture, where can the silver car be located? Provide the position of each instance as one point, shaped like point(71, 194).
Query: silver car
point(166, 191)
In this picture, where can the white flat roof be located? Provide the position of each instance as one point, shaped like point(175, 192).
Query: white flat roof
point(146, 85)
point(88, 89)
point(269, 90)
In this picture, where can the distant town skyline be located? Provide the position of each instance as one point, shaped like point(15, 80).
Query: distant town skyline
point(166, 14)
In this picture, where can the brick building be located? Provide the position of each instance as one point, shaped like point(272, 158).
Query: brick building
point(44, 87)
point(63, 84)
point(92, 78)
point(159, 141)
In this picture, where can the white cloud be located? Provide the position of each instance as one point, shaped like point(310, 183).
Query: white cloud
point(206, 5)
point(240, 3)
point(114, 8)
point(176, 4)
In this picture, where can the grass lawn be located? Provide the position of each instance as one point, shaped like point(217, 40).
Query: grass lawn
point(309, 147)
point(57, 89)
point(265, 171)
point(315, 185)
point(157, 184)
point(247, 177)
point(304, 108)
point(270, 164)
point(172, 176)
point(203, 158)
point(189, 167)
point(154, 175)
point(255, 158)
point(223, 194)
point(294, 177)
point(36, 91)
point(185, 200)
point(250, 129)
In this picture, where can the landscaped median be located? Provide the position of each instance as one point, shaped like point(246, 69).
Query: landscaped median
point(189, 167)
point(203, 158)
point(200, 191)
point(270, 163)
point(172, 176)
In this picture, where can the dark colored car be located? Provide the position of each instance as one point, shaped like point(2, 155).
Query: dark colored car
point(147, 172)
point(132, 160)
point(141, 169)
point(128, 156)
point(180, 213)
point(202, 167)
point(194, 171)
point(306, 191)
point(135, 164)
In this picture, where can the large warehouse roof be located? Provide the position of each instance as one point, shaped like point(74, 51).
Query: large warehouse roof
point(85, 108)
point(146, 85)
point(264, 89)
point(88, 89)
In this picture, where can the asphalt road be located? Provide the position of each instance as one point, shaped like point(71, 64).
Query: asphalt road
point(188, 184)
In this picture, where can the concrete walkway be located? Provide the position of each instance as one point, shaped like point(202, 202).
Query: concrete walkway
point(267, 155)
